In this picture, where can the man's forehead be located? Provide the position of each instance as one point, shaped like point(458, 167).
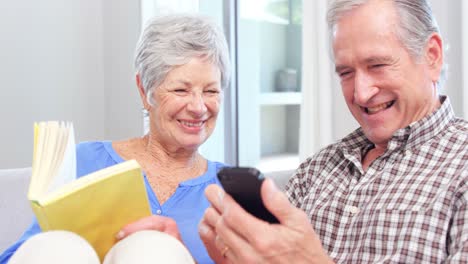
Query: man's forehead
point(366, 31)
point(371, 59)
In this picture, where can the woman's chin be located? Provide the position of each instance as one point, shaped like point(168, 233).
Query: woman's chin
point(192, 144)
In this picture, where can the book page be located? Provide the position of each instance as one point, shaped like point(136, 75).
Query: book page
point(35, 163)
point(54, 160)
point(39, 150)
point(65, 171)
point(57, 135)
point(45, 173)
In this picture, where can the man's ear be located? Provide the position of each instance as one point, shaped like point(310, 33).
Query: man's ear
point(434, 56)
point(141, 90)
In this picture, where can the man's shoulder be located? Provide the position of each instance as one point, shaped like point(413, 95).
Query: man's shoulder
point(309, 171)
point(328, 152)
point(460, 126)
point(456, 136)
point(330, 155)
point(334, 151)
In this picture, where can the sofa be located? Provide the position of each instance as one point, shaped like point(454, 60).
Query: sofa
point(16, 214)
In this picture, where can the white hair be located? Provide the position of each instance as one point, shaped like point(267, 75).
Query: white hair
point(416, 24)
point(173, 40)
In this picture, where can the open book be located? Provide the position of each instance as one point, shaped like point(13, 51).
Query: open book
point(95, 206)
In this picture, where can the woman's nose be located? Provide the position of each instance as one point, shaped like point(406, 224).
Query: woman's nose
point(197, 104)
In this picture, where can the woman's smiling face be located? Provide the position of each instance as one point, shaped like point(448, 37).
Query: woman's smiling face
point(186, 105)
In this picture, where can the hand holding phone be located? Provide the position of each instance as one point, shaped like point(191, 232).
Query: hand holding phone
point(243, 184)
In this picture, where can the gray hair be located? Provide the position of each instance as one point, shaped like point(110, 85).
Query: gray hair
point(173, 40)
point(417, 23)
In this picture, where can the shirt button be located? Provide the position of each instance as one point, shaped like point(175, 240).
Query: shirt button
point(158, 212)
point(352, 209)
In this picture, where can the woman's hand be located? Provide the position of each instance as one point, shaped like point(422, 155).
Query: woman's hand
point(153, 222)
point(232, 235)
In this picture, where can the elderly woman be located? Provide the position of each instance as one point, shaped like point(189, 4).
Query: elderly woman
point(182, 66)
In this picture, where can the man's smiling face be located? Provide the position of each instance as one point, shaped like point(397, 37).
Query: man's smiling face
point(384, 87)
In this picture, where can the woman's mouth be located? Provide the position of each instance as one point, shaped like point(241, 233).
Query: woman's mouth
point(191, 123)
point(378, 108)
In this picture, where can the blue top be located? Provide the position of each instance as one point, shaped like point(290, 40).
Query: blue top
point(186, 206)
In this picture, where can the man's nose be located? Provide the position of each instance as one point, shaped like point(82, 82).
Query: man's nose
point(364, 88)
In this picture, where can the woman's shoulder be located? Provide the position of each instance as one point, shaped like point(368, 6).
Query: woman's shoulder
point(94, 155)
point(217, 165)
point(91, 149)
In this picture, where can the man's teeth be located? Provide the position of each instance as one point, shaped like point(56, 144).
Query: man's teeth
point(191, 124)
point(375, 109)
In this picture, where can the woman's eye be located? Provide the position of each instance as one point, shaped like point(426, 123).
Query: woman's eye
point(378, 65)
point(180, 90)
point(212, 91)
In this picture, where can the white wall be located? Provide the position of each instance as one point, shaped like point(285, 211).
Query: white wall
point(51, 68)
point(121, 31)
point(66, 60)
point(448, 15)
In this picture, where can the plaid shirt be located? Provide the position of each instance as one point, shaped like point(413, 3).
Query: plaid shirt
point(410, 206)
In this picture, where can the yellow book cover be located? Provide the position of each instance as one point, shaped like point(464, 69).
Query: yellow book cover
point(95, 206)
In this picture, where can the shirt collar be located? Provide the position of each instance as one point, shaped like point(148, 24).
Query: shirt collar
point(408, 137)
point(422, 130)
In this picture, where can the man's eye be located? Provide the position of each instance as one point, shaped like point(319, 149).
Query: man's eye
point(378, 65)
point(180, 90)
point(344, 74)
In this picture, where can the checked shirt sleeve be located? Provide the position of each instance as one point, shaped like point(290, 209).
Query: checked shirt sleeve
point(458, 237)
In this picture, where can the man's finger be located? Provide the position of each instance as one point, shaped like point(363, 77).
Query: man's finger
point(215, 196)
point(208, 237)
point(234, 246)
point(242, 222)
point(211, 217)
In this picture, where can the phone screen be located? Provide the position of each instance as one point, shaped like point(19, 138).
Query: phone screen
point(243, 184)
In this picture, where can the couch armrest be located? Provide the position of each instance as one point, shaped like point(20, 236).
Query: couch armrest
point(16, 214)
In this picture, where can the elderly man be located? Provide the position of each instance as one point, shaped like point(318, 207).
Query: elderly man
point(393, 191)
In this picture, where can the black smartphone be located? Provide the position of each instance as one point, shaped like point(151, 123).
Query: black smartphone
point(243, 184)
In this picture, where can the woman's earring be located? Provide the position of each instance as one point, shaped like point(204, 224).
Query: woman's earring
point(144, 112)
point(145, 120)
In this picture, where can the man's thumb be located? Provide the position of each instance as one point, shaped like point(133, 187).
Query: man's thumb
point(278, 204)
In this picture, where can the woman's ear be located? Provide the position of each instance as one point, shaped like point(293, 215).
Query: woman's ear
point(435, 56)
point(141, 90)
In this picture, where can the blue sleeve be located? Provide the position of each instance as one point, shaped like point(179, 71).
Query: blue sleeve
point(32, 230)
point(93, 156)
